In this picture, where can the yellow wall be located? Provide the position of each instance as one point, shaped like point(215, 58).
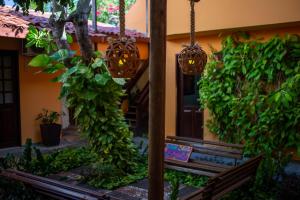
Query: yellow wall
point(136, 17)
point(212, 15)
point(264, 17)
point(174, 46)
point(142, 46)
point(36, 92)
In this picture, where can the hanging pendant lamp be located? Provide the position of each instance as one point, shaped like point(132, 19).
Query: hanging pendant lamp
point(192, 59)
point(122, 54)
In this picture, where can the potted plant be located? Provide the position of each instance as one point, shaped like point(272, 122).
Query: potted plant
point(50, 130)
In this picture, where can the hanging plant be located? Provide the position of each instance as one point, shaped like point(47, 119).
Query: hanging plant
point(122, 54)
point(192, 59)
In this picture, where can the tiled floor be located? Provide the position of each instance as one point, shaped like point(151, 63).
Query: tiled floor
point(68, 140)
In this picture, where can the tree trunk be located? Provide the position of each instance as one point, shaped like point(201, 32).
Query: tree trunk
point(57, 23)
point(80, 21)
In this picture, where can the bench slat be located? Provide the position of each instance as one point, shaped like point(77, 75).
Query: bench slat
point(210, 163)
point(195, 166)
point(55, 190)
point(227, 181)
point(239, 146)
point(188, 170)
point(205, 146)
point(56, 183)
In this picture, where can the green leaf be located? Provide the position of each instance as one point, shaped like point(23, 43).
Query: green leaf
point(120, 81)
point(102, 79)
point(62, 54)
point(98, 63)
point(78, 110)
point(89, 95)
point(41, 60)
point(69, 38)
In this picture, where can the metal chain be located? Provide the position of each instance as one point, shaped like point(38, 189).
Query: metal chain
point(192, 2)
point(122, 17)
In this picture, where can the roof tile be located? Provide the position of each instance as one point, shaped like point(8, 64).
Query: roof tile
point(15, 24)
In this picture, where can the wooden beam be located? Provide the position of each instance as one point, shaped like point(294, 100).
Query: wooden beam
point(158, 26)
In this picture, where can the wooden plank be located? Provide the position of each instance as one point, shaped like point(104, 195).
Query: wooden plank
point(227, 181)
point(56, 183)
point(195, 166)
point(49, 188)
point(201, 146)
point(232, 187)
point(239, 146)
point(221, 154)
point(210, 164)
point(189, 170)
point(251, 162)
point(157, 77)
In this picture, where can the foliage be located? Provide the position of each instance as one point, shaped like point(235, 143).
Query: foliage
point(48, 117)
point(25, 5)
point(185, 178)
point(108, 11)
point(95, 96)
point(40, 39)
point(34, 162)
point(252, 92)
point(174, 188)
point(110, 177)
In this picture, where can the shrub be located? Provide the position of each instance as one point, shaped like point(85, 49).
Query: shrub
point(252, 92)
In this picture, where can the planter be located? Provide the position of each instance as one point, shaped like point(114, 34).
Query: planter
point(50, 134)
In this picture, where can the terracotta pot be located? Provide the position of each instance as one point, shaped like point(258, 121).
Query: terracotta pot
point(50, 134)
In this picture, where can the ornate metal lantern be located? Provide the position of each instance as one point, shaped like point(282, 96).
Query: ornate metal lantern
point(122, 54)
point(192, 59)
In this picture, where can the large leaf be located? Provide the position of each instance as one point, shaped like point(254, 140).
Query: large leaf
point(41, 60)
point(102, 79)
point(62, 54)
point(120, 81)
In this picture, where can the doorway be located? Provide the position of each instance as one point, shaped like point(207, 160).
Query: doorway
point(9, 99)
point(189, 115)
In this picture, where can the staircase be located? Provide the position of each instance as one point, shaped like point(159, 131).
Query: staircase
point(131, 117)
point(137, 112)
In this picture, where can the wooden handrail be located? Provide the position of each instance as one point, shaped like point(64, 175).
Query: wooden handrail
point(144, 95)
point(130, 84)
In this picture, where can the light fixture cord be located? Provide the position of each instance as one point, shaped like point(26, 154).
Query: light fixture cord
point(192, 3)
point(122, 17)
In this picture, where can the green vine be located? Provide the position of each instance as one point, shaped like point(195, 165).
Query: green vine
point(95, 96)
point(252, 90)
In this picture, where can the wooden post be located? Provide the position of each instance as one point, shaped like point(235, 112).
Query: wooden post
point(158, 26)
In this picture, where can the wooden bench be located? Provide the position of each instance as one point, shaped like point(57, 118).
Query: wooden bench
point(206, 148)
point(53, 188)
point(226, 181)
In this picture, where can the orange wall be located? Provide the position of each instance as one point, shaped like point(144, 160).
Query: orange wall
point(214, 15)
point(36, 92)
point(174, 46)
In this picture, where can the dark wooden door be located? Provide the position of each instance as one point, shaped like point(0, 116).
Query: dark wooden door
point(189, 115)
point(9, 99)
